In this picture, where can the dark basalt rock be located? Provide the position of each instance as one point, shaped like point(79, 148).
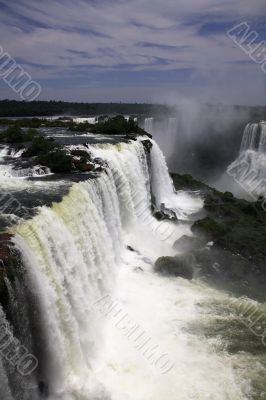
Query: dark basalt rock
point(131, 248)
point(9, 263)
point(83, 165)
point(147, 145)
point(164, 214)
point(81, 154)
point(179, 266)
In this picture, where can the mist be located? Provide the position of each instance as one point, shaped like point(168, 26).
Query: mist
point(201, 139)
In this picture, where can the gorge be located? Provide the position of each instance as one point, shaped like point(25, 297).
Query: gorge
point(83, 313)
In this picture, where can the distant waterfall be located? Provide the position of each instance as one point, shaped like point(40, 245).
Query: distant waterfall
point(249, 169)
point(251, 138)
point(148, 125)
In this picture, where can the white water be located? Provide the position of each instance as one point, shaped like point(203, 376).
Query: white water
point(76, 254)
point(249, 169)
point(182, 203)
point(7, 171)
point(81, 120)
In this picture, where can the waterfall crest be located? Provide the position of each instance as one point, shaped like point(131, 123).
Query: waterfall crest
point(73, 249)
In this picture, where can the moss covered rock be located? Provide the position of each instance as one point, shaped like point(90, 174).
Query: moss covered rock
point(40, 145)
point(180, 266)
point(209, 228)
point(58, 161)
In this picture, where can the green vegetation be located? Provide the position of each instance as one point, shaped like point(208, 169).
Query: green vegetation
point(113, 126)
point(187, 182)
point(81, 153)
point(82, 160)
point(244, 223)
point(39, 145)
point(209, 228)
point(47, 152)
point(14, 134)
point(118, 126)
point(57, 160)
point(235, 226)
point(12, 108)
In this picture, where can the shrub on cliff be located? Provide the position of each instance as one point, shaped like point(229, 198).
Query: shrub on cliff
point(39, 145)
point(186, 181)
point(30, 134)
point(209, 228)
point(57, 161)
point(13, 134)
point(118, 126)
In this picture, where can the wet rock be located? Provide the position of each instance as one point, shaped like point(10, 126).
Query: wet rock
point(43, 389)
point(164, 214)
point(10, 263)
point(130, 248)
point(147, 145)
point(180, 266)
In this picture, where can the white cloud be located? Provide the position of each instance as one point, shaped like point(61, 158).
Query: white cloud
point(42, 33)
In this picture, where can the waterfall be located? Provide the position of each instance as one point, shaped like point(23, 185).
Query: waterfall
point(249, 169)
point(90, 120)
point(164, 131)
point(254, 138)
point(89, 266)
point(181, 203)
point(72, 251)
point(250, 137)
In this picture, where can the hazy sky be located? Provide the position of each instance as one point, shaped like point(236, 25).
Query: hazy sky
point(134, 50)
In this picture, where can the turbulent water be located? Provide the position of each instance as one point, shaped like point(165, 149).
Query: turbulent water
point(105, 325)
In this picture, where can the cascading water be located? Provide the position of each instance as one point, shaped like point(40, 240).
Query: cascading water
point(9, 154)
point(90, 120)
point(164, 131)
point(250, 138)
point(93, 252)
point(249, 169)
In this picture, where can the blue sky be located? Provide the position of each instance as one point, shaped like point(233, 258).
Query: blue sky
point(135, 50)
